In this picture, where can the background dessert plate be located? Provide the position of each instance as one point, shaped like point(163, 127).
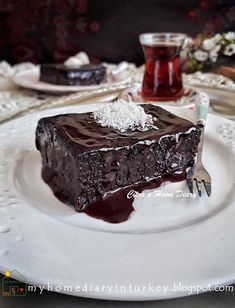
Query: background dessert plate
point(210, 81)
point(170, 240)
point(30, 79)
point(220, 89)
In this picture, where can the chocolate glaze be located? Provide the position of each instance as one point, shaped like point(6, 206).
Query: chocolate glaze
point(116, 207)
point(61, 74)
point(83, 161)
point(82, 130)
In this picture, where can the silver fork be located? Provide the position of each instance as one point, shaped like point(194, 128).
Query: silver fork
point(198, 173)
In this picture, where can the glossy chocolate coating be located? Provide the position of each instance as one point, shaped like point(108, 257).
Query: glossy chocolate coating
point(88, 135)
point(60, 74)
point(83, 161)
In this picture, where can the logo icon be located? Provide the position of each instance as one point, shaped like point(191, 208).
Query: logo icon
point(13, 287)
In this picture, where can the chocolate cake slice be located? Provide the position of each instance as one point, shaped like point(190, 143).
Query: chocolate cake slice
point(83, 160)
point(60, 74)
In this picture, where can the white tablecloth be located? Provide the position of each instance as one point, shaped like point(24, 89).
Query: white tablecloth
point(16, 101)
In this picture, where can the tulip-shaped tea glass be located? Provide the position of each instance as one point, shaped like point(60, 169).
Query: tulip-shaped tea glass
point(162, 78)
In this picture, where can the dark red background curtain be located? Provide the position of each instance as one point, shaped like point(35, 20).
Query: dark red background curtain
point(51, 30)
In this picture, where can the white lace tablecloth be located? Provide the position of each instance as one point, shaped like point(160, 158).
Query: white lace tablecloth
point(17, 101)
point(13, 99)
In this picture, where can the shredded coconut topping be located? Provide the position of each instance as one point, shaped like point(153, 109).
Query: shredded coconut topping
point(79, 59)
point(123, 116)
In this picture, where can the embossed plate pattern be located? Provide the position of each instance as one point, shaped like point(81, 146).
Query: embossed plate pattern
point(166, 241)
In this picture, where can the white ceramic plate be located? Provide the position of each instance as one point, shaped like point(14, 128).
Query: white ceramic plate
point(30, 79)
point(167, 242)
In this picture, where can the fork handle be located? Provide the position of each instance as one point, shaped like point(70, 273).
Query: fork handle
point(202, 108)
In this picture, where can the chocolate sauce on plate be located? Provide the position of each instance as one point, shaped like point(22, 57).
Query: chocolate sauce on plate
point(116, 207)
point(83, 162)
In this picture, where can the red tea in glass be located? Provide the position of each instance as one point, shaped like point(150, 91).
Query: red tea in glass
point(162, 78)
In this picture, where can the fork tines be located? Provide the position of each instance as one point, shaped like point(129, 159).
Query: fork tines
point(201, 178)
